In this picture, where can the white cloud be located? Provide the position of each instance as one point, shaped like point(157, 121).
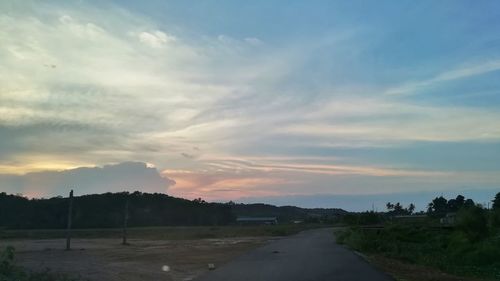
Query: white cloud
point(83, 79)
point(360, 119)
point(224, 38)
point(156, 39)
point(253, 41)
point(84, 86)
point(454, 74)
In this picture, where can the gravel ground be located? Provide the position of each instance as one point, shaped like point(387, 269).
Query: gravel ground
point(106, 259)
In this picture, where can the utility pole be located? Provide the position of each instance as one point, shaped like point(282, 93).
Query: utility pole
point(125, 220)
point(70, 214)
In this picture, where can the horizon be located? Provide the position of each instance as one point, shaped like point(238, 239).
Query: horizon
point(350, 203)
point(311, 103)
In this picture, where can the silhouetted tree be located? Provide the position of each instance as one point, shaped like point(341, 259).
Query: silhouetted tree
point(460, 201)
point(411, 208)
point(438, 206)
point(469, 203)
point(389, 206)
point(473, 221)
point(106, 210)
point(397, 209)
point(145, 209)
point(496, 202)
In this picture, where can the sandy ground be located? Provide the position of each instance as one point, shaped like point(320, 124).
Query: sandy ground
point(106, 259)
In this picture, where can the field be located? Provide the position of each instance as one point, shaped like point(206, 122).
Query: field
point(98, 254)
point(160, 233)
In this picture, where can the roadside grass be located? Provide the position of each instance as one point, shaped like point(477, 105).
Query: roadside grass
point(163, 233)
point(448, 250)
point(404, 271)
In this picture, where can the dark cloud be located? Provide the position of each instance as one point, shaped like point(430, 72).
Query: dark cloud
point(127, 176)
point(187, 155)
point(54, 138)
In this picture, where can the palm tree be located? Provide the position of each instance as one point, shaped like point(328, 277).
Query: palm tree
point(411, 208)
point(389, 206)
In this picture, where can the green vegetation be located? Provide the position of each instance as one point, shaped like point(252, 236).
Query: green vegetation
point(163, 233)
point(146, 209)
point(107, 210)
point(468, 247)
point(9, 271)
point(364, 218)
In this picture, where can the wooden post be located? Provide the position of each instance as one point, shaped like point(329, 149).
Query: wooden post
point(70, 215)
point(125, 220)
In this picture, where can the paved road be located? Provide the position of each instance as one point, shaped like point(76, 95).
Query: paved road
point(311, 255)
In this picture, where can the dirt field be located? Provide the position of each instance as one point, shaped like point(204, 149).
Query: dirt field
point(107, 260)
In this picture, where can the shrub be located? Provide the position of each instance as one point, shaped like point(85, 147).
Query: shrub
point(7, 268)
point(10, 272)
point(495, 218)
point(364, 218)
point(473, 221)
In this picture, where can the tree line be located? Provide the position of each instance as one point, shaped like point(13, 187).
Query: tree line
point(107, 210)
point(144, 209)
point(454, 235)
point(467, 210)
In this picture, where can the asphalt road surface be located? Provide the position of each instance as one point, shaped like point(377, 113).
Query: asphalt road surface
point(311, 255)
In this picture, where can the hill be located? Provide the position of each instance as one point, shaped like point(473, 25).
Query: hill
point(285, 213)
point(145, 209)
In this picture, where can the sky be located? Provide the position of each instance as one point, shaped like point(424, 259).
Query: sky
point(312, 103)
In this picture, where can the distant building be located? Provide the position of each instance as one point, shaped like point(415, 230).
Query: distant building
point(449, 219)
point(257, 220)
point(410, 218)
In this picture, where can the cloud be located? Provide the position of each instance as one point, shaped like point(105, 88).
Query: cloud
point(128, 87)
point(237, 178)
point(156, 39)
point(187, 155)
point(224, 184)
point(110, 97)
point(445, 76)
point(253, 41)
point(127, 176)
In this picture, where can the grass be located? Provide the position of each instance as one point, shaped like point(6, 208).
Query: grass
point(404, 271)
point(162, 233)
point(445, 249)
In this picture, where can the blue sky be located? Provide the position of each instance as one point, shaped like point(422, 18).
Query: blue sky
point(255, 100)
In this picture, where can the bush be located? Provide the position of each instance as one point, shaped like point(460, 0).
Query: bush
point(495, 218)
point(10, 272)
point(473, 221)
point(449, 250)
point(365, 218)
point(7, 268)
